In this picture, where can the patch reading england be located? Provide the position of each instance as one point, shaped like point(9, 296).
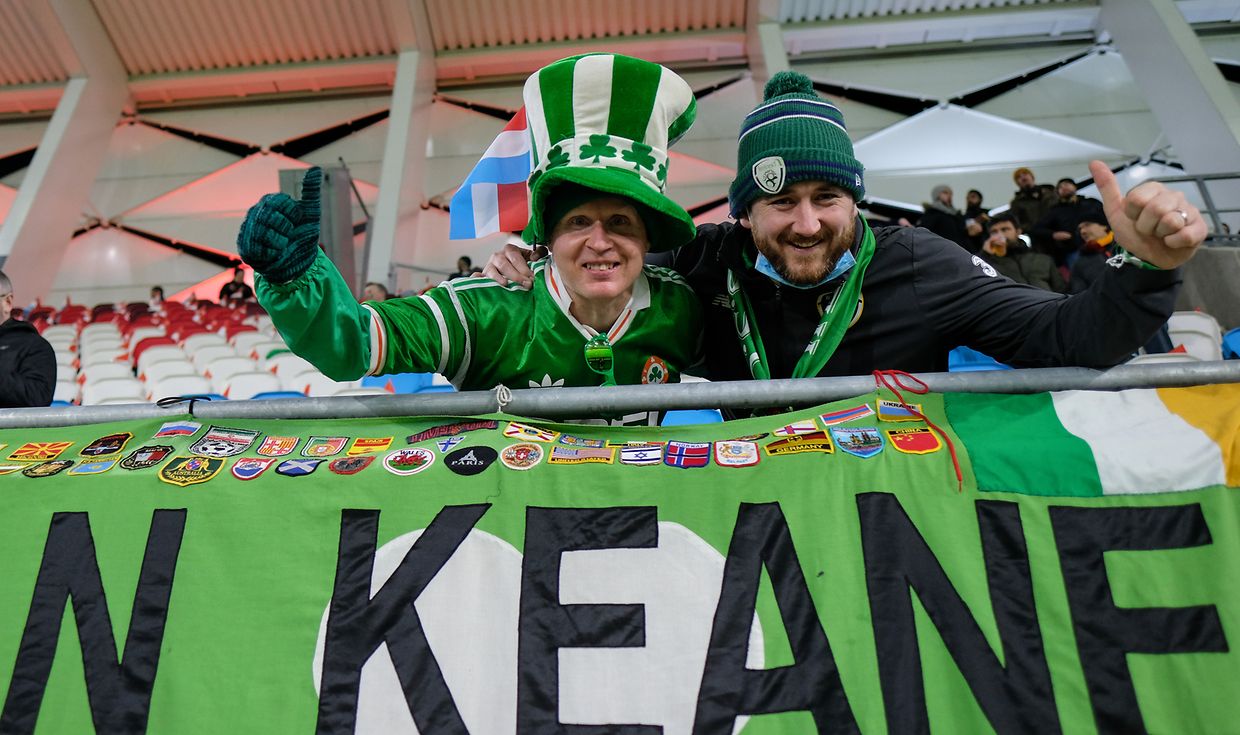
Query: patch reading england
point(93, 467)
point(350, 465)
point(323, 446)
point(185, 471)
point(147, 456)
point(863, 441)
point(914, 441)
point(815, 442)
point(220, 442)
point(298, 467)
point(846, 414)
point(366, 445)
point(525, 432)
point(470, 460)
point(686, 455)
point(39, 451)
point(178, 428)
point(278, 446)
point(247, 468)
point(105, 445)
point(896, 411)
point(47, 469)
point(521, 456)
point(450, 430)
point(641, 455)
point(806, 426)
point(581, 455)
point(736, 454)
point(408, 461)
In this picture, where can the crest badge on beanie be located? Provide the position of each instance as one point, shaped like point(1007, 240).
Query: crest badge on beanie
point(792, 136)
point(604, 122)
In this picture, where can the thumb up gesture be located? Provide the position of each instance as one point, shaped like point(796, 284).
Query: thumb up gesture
point(280, 235)
point(1152, 222)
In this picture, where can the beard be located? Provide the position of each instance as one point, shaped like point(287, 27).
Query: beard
point(805, 268)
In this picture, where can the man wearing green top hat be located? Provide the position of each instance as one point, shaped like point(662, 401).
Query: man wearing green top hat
point(596, 315)
point(801, 286)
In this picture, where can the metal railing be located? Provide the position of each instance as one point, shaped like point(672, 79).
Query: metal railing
point(1210, 209)
point(553, 403)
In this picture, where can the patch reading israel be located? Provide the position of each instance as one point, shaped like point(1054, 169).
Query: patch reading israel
point(147, 456)
point(408, 461)
point(807, 426)
point(582, 455)
point(641, 454)
point(323, 446)
point(47, 469)
point(220, 441)
point(896, 411)
point(470, 460)
point(521, 456)
point(655, 370)
point(445, 445)
point(350, 465)
point(686, 455)
point(768, 174)
point(93, 467)
point(987, 268)
point(178, 428)
point(450, 430)
point(298, 467)
point(569, 440)
point(863, 441)
point(247, 468)
point(845, 415)
point(105, 445)
point(914, 441)
point(525, 432)
point(736, 454)
point(278, 446)
point(815, 442)
point(366, 445)
point(185, 471)
point(39, 451)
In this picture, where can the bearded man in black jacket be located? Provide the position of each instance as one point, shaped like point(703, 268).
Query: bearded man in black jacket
point(27, 362)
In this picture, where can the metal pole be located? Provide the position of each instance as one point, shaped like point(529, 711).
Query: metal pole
point(587, 402)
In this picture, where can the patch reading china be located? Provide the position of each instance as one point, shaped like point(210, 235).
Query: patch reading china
point(862, 441)
point(221, 441)
point(409, 461)
point(147, 456)
point(186, 471)
point(914, 441)
point(521, 456)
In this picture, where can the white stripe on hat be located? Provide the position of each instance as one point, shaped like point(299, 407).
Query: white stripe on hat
point(1131, 435)
point(534, 119)
point(591, 109)
point(781, 118)
point(671, 86)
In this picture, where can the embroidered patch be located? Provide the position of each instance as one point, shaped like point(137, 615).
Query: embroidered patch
point(470, 460)
point(863, 441)
point(768, 174)
point(298, 467)
point(47, 469)
point(806, 426)
point(323, 446)
point(8, 469)
point(815, 442)
point(686, 455)
point(350, 465)
point(445, 445)
point(525, 432)
point(39, 451)
point(750, 437)
point(408, 461)
point(185, 471)
point(105, 445)
point(577, 441)
point(247, 468)
point(278, 446)
point(220, 441)
point(895, 411)
point(450, 430)
point(178, 428)
point(736, 454)
point(846, 414)
point(364, 445)
point(521, 456)
point(655, 371)
point(93, 467)
point(641, 454)
point(914, 441)
point(147, 456)
point(987, 268)
point(581, 455)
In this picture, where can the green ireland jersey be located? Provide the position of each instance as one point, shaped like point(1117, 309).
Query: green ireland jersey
point(479, 334)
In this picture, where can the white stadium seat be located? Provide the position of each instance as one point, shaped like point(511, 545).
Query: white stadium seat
point(195, 342)
point(101, 357)
point(246, 385)
point(105, 370)
point(314, 383)
point(178, 385)
point(209, 354)
point(114, 390)
point(1163, 357)
point(260, 350)
point(159, 353)
point(142, 333)
point(157, 371)
point(66, 390)
point(1198, 332)
point(219, 371)
point(286, 363)
point(244, 342)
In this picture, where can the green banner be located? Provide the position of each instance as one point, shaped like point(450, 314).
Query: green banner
point(821, 571)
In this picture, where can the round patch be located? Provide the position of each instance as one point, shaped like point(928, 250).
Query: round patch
point(655, 370)
point(409, 461)
point(521, 456)
point(470, 460)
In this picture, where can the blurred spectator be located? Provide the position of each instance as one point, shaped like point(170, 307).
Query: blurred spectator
point(464, 268)
point(1007, 252)
point(1092, 257)
point(237, 289)
point(156, 301)
point(944, 220)
point(977, 213)
point(1057, 230)
point(1032, 200)
point(375, 291)
point(27, 361)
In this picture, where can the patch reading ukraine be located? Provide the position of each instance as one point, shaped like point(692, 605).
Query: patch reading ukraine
point(644, 454)
point(147, 456)
point(93, 467)
point(298, 467)
point(914, 441)
point(105, 445)
point(569, 440)
point(582, 455)
point(817, 441)
point(247, 468)
point(221, 441)
point(278, 446)
point(39, 451)
point(47, 469)
point(863, 441)
point(525, 432)
point(521, 456)
point(323, 446)
point(686, 455)
point(185, 471)
point(896, 411)
point(350, 465)
point(806, 426)
point(845, 415)
point(736, 454)
point(366, 445)
point(451, 430)
point(408, 461)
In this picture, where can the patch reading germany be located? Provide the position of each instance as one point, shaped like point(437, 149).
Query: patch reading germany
point(220, 442)
point(105, 445)
point(470, 460)
point(185, 471)
point(450, 430)
point(914, 441)
point(39, 451)
point(521, 456)
point(736, 454)
point(247, 468)
point(93, 467)
point(408, 461)
point(47, 469)
point(147, 456)
point(323, 446)
point(350, 465)
point(815, 442)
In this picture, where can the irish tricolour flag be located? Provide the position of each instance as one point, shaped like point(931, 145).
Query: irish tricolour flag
point(494, 197)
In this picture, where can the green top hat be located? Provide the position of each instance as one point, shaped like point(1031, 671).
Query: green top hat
point(605, 121)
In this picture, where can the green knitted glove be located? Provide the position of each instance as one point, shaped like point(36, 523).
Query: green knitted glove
point(280, 235)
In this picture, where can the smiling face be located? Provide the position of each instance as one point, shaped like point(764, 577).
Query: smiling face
point(803, 230)
point(598, 248)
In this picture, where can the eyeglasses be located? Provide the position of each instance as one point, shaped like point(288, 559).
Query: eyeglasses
point(600, 358)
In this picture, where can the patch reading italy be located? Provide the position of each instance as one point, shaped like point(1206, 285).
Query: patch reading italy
point(146, 456)
point(350, 465)
point(736, 454)
point(220, 442)
point(914, 441)
point(569, 440)
point(247, 468)
point(366, 445)
point(846, 414)
point(686, 455)
point(408, 461)
point(862, 441)
point(323, 446)
point(278, 446)
point(298, 467)
point(525, 432)
point(815, 442)
point(641, 454)
point(521, 456)
point(178, 428)
point(896, 411)
point(185, 471)
point(93, 467)
point(39, 451)
point(459, 427)
point(47, 469)
point(105, 445)
point(797, 427)
point(470, 460)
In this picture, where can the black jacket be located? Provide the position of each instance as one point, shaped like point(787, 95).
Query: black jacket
point(922, 296)
point(1064, 217)
point(1023, 265)
point(949, 226)
point(27, 366)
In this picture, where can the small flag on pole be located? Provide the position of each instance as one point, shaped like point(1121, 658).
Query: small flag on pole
point(494, 197)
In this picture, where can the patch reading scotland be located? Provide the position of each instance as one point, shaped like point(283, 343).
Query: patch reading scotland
point(861, 441)
point(450, 430)
point(323, 446)
point(686, 455)
point(470, 460)
point(350, 465)
point(147, 456)
point(47, 469)
point(736, 454)
point(581, 455)
point(896, 411)
point(298, 467)
point(641, 454)
point(846, 414)
point(105, 445)
point(914, 441)
point(184, 471)
point(815, 442)
point(93, 467)
point(366, 445)
point(521, 456)
point(39, 451)
point(408, 461)
point(220, 442)
point(569, 440)
point(525, 432)
point(178, 428)
point(247, 468)
point(806, 426)
point(278, 446)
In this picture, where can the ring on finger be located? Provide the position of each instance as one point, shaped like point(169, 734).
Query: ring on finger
point(1183, 216)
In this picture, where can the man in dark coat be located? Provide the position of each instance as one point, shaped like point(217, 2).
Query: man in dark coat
point(27, 362)
point(1007, 252)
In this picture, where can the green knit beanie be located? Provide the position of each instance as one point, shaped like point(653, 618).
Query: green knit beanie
point(793, 135)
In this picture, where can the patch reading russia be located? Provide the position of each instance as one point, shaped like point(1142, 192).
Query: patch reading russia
point(350, 465)
point(641, 455)
point(366, 445)
point(815, 442)
point(178, 428)
point(47, 469)
point(184, 471)
point(470, 460)
point(687, 455)
point(93, 467)
point(450, 430)
point(298, 467)
point(278, 446)
point(863, 441)
point(247, 468)
point(521, 456)
point(409, 461)
point(147, 456)
point(914, 441)
point(581, 455)
point(525, 432)
point(39, 451)
point(105, 445)
point(896, 411)
point(736, 454)
point(323, 446)
point(220, 442)
point(846, 414)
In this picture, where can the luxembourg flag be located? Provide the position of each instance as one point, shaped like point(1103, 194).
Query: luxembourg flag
point(494, 197)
